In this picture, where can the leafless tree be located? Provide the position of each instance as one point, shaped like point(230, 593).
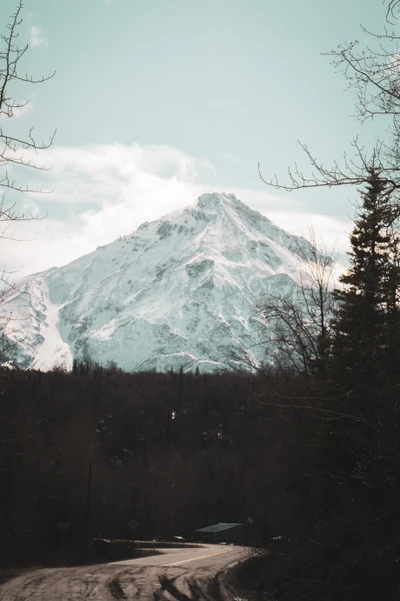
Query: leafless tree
point(16, 152)
point(298, 323)
point(374, 72)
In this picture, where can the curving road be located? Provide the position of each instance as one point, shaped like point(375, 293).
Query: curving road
point(176, 575)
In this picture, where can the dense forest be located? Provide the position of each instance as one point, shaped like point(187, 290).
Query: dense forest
point(98, 447)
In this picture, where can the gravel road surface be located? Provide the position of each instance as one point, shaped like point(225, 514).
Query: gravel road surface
point(176, 575)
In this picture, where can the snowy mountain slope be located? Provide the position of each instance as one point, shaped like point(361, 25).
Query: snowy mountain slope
point(180, 291)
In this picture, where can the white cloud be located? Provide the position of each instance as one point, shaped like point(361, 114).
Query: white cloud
point(106, 191)
point(36, 37)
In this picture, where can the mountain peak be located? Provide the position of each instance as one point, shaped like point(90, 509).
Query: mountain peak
point(215, 200)
point(180, 291)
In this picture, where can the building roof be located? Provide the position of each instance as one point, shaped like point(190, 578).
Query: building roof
point(218, 527)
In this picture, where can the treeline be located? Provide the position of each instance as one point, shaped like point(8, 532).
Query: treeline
point(85, 452)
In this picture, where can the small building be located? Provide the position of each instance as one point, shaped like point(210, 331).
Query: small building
point(224, 532)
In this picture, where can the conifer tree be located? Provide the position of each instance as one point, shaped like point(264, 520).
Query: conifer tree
point(357, 443)
point(363, 456)
point(365, 340)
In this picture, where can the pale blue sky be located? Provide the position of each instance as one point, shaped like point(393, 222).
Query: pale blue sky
point(203, 90)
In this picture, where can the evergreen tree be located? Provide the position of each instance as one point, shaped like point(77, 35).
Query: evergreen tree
point(365, 347)
point(356, 425)
point(361, 457)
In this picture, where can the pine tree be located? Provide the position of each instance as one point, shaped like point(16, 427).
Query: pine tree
point(357, 443)
point(364, 453)
point(367, 321)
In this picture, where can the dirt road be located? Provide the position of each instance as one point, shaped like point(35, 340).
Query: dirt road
point(177, 575)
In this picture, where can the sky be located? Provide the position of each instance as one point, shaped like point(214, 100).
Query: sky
point(157, 101)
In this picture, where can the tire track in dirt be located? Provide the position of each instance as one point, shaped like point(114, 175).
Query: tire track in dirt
point(115, 589)
point(200, 577)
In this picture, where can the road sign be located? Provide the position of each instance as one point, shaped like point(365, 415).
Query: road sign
point(133, 524)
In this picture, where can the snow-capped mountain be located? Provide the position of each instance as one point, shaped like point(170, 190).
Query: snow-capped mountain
point(180, 291)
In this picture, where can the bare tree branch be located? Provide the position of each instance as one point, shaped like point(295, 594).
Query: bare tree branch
point(11, 147)
point(15, 152)
point(374, 72)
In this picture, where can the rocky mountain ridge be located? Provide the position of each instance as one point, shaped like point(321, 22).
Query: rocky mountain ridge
point(180, 291)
